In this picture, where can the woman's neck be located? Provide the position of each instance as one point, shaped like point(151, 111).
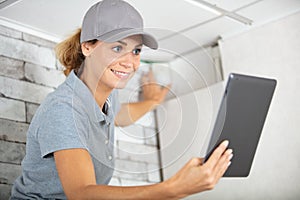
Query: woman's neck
point(99, 91)
point(101, 96)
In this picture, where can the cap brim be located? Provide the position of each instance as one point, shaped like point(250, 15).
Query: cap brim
point(114, 36)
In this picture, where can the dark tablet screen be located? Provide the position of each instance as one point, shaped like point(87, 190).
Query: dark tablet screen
point(241, 118)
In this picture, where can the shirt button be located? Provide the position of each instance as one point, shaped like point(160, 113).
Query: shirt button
point(106, 141)
point(109, 157)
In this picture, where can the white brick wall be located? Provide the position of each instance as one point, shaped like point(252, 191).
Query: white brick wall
point(132, 133)
point(11, 68)
point(23, 90)
point(132, 170)
point(8, 175)
point(12, 109)
point(28, 52)
point(11, 153)
point(137, 152)
point(43, 76)
point(28, 72)
point(10, 32)
point(30, 110)
point(13, 131)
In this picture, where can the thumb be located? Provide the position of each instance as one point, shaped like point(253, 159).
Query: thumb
point(165, 90)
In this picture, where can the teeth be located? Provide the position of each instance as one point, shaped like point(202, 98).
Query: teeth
point(120, 73)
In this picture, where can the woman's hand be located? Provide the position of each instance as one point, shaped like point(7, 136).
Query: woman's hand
point(152, 91)
point(153, 95)
point(196, 177)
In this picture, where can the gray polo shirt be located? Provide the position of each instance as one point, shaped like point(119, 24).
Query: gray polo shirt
point(68, 118)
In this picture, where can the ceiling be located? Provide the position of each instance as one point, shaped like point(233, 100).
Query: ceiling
point(181, 26)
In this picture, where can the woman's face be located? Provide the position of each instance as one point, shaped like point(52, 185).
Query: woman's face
point(113, 64)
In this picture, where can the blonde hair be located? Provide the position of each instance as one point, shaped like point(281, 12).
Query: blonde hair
point(69, 52)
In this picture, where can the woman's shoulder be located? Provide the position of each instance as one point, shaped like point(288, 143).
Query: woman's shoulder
point(61, 98)
point(56, 103)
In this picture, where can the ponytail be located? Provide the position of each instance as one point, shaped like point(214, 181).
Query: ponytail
point(69, 53)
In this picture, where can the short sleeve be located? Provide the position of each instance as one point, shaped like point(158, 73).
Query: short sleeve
point(58, 130)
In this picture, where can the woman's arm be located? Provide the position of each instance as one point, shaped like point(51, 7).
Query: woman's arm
point(131, 112)
point(153, 95)
point(77, 175)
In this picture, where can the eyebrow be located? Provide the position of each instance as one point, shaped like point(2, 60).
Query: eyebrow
point(125, 44)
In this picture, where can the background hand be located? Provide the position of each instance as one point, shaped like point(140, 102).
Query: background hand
point(151, 90)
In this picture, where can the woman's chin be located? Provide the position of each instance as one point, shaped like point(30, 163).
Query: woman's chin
point(120, 85)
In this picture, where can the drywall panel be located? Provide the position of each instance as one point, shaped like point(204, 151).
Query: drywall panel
point(271, 50)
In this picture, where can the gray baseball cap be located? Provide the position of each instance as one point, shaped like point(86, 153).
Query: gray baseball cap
point(114, 20)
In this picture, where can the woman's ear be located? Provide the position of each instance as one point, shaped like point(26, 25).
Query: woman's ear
point(86, 48)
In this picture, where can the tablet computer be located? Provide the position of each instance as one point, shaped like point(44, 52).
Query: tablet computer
point(241, 118)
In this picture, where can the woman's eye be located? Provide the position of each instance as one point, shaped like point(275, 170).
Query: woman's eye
point(137, 51)
point(117, 49)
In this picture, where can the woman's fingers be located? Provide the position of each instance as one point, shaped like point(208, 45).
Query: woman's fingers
point(195, 176)
point(216, 155)
point(145, 79)
point(151, 76)
point(224, 163)
point(148, 78)
point(219, 162)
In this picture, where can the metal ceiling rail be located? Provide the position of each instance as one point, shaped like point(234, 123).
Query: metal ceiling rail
point(233, 13)
point(7, 3)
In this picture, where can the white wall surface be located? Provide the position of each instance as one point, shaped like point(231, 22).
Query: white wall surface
point(195, 70)
point(189, 72)
point(271, 50)
point(184, 125)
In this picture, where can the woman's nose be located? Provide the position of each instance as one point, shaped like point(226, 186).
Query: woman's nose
point(127, 60)
point(126, 64)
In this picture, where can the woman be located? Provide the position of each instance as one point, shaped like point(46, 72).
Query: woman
point(70, 140)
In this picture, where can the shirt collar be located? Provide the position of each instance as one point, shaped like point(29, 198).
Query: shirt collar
point(82, 97)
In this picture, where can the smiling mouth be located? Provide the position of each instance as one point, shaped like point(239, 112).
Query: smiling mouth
point(121, 75)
